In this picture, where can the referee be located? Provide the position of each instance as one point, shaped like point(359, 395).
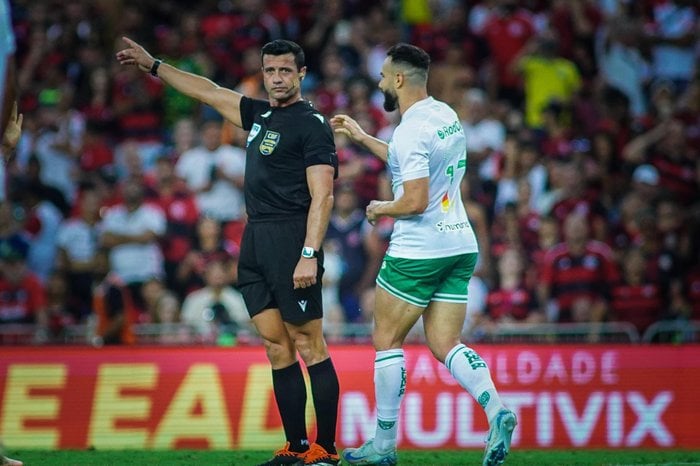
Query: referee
point(290, 167)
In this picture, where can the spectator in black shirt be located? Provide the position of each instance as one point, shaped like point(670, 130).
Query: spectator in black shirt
point(290, 167)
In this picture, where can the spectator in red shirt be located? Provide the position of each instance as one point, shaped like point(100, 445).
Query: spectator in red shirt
point(181, 215)
point(636, 298)
point(22, 296)
point(575, 198)
point(331, 94)
point(137, 105)
point(96, 152)
point(511, 300)
point(506, 33)
point(209, 244)
point(666, 148)
point(576, 276)
point(548, 235)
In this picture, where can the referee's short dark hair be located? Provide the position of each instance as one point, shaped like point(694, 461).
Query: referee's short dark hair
point(411, 55)
point(282, 47)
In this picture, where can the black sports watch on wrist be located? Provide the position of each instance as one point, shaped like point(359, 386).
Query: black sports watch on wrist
point(154, 67)
point(307, 252)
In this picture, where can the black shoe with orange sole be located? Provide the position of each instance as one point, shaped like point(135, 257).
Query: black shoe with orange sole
point(318, 456)
point(285, 457)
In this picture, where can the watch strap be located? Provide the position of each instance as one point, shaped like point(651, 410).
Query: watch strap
point(154, 67)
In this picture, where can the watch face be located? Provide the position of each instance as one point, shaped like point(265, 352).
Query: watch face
point(307, 252)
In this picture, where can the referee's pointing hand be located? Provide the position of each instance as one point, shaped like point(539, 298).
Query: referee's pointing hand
point(135, 54)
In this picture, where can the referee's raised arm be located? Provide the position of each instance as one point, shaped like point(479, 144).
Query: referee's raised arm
point(225, 101)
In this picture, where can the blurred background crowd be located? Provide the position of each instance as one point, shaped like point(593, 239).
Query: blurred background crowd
point(121, 211)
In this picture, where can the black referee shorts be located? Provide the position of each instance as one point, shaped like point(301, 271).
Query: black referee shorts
point(269, 253)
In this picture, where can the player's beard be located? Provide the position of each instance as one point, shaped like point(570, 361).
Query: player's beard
point(391, 101)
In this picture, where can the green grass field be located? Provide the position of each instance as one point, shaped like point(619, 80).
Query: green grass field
point(406, 457)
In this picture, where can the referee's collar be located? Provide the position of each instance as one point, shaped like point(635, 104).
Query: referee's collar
point(294, 104)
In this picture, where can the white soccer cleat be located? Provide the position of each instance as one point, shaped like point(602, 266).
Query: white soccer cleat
point(5, 461)
point(498, 441)
point(366, 455)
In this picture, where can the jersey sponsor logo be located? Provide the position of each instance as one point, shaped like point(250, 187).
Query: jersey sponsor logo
point(302, 304)
point(443, 227)
point(253, 132)
point(446, 131)
point(269, 142)
point(445, 203)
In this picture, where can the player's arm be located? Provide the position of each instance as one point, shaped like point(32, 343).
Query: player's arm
point(9, 93)
point(320, 181)
point(414, 201)
point(225, 101)
point(345, 125)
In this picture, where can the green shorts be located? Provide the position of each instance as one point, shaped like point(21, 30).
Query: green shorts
point(419, 281)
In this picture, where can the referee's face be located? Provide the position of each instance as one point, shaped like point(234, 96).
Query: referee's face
point(282, 79)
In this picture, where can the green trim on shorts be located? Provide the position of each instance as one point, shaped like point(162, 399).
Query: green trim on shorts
point(419, 281)
point(399, 294)
point(450, 298)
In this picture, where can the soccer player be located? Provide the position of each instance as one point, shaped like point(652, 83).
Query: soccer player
point(431, 256)
point(10, 122)
point(290, 166)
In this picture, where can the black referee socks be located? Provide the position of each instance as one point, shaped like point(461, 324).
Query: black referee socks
point(290, 393)
point(326, 391)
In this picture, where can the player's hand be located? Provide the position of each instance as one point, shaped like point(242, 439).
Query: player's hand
point(13, 131)
point(305, 273)
point(135, 54)
point(372, 211)
point(345, 125)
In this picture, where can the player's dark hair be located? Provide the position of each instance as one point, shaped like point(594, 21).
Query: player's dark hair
point(282, 47)
point(411, 55)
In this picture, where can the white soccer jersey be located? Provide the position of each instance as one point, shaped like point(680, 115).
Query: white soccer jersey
point(429, 142)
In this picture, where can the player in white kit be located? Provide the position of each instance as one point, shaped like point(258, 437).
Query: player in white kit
point(431, 255)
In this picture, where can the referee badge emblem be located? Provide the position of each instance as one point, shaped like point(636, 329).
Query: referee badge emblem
point(269, 142)
point(253, 132)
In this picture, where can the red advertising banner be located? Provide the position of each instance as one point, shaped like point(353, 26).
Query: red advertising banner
point(222, 398)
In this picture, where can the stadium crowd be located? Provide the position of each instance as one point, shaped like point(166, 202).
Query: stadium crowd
point(122, 204)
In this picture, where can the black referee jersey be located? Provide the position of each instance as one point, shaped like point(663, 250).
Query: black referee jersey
point(282, 142)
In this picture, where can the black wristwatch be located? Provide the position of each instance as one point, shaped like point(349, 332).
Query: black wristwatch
point(307, 252)
point(154, 67)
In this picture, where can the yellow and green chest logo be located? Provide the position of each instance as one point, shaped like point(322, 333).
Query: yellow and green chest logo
point(269, 142)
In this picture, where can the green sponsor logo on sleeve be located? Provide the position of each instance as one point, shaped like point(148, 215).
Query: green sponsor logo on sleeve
point(446, 131)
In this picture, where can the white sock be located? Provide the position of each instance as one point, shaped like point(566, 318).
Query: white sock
point(472, 373)
point(389, 388)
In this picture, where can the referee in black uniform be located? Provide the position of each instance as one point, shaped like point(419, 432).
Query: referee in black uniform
point(290, 167)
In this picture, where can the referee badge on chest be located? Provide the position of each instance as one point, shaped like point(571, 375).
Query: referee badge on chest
point(253, 132)
point(269, 142)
